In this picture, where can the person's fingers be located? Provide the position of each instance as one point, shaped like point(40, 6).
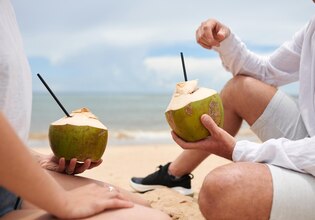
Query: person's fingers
point(205, 46)
point(207, 30)
point(178, 140)
point(209, 124)
point(198, 35)
point(209, 41)
point(115, 199)
point(211, 33)
point(114, 193)
point(88, 164)
point(54, 159)
point(199, 145)
point(62, 165)
point(201, 39)
point(95, 164)
point(116, 203)
point(221, 35)
point(184, 144)
point(80, 168)
point(71, 166)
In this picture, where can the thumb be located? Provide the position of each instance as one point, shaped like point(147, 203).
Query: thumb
point(209, 124)
point(221, 35)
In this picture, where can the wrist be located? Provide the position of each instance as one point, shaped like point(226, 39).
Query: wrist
point(226, 151)
point(227, 45)
point(61, 206)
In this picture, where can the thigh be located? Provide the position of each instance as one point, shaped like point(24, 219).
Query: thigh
point(293, 195)
point(8, 201)
point(281, 118)
point(136, 212)
point(69, 182)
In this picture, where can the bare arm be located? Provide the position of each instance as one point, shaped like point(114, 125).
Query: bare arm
point(21, 174)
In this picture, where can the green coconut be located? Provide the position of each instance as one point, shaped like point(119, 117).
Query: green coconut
point(80, 136)
point(187, 105)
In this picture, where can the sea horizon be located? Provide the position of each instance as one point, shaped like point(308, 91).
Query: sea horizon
point(131, 118)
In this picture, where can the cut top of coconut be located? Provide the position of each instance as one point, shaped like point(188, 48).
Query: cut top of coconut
point(188, 92)
point(81, 117)
point(186, 87)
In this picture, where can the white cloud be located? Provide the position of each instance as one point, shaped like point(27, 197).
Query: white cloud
point(208, 71)
point(120, 36)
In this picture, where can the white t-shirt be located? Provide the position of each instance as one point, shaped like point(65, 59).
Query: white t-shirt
point(293, 61)
point(15, 73)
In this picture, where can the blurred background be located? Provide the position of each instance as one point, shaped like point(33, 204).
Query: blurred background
point(121, 58)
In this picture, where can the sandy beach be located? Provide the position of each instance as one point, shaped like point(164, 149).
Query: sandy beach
point(136, 146)
point(122, 162)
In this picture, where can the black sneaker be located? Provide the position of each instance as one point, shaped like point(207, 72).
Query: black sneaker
point(161, 178)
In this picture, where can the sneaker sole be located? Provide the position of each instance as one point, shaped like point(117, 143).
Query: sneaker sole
point(146, 188)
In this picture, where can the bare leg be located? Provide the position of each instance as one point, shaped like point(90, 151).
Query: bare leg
point(136, 212)
point(237, 191)
point(243, 98)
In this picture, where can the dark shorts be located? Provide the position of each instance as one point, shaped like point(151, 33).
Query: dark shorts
point(8, 201)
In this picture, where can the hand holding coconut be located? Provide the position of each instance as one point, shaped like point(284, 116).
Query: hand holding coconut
point(81, 136)
point(219, 142)
point(53, 163)
point(188, 103)
point(76, 137)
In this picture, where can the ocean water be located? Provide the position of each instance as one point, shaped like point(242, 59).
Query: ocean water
point(130, 118)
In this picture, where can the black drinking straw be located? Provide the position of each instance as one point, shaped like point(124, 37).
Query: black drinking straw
point(183, 64)
point(53, 95)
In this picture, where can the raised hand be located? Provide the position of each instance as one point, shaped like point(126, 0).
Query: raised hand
point(211, 33)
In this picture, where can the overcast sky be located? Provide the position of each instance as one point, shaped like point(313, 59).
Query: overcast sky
point(134, 46)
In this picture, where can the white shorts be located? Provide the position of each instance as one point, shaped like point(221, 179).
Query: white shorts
point(293, 192)
point(281, 118)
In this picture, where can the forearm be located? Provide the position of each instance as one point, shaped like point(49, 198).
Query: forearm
point(22, 175)
point(296, 155)
point(280, 68)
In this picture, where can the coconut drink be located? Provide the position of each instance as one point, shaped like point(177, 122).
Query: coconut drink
point(80, 136)
point(186, 107)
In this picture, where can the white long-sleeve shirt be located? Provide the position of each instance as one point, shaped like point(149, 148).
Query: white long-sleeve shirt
point(293, 61)
point(15, 73)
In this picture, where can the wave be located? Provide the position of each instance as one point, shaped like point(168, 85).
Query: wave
point(135, 137)
point(119, 137)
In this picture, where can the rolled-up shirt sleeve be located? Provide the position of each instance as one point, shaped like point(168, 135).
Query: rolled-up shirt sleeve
point(296, 155)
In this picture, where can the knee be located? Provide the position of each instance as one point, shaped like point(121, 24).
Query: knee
point(237, 86)
point(218, 190)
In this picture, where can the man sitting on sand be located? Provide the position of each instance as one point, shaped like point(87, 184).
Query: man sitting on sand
point(273, 179)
